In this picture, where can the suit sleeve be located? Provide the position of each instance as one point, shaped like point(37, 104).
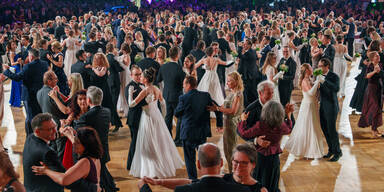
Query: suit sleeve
point(52, 161)
point(17, 76)
point(219, 115)
point(332, 83)
point(184, 188)
point(291, 72)
point(159, 76)
point(180, 107)
point(250, 107)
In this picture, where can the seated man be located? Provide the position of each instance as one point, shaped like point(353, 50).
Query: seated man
point(209, 164)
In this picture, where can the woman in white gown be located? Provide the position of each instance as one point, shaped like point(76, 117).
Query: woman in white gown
point(210, 81)
point(270, 71)
point(306, 139)
point(70, 55)
point(340, 64)
point(156, 154)
point(125, 77)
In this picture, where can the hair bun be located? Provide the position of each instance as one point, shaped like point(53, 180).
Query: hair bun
point(150, 74)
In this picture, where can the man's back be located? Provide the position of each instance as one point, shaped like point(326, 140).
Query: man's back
point(212, 184)
point(48, 105)
point(172, 74)
point(36, 151)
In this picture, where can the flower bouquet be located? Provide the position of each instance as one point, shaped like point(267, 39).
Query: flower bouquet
point(83, 36)
point(319, 42)
point(138, 58)
point(257, 48)
point(317, 72)
point(305, 40)
point(283, 68)
point(313, 35)
point(234, 54)
point(357, 55)
point(277, 41)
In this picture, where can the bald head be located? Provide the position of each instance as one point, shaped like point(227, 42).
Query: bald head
point(209, 155)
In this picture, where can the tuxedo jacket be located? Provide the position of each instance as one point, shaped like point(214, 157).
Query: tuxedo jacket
point(329, 52)
point(79, 67)
point(195, 118)
point(199, 54)
point(35, 151)
point(134, 113)
point(114, 69)
point(32, 77)
point(247, 66)
point(190, 38)
point(98, 117)
point(287, 80)
point(212, 184)
point(254, 110)
point(173, 76)
point(147, 63)
point(264, 53)
point(328, 93)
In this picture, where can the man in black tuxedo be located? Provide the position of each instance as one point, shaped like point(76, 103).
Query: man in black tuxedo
point(149, 60)
point(209, 164)
point(48, 105)
point(329, 108)
point(249, 71)
point(81, 67)
point(173, 75)
point(133, 119)
point(192, 110)
point(190, 39)
point(224, 48)
point(36, 150)
point(286, 83)
point(114, 84)
point(266, 49)
point(59, 29)
point(32, 77)
point(199, 53)
point(328, 51)
point(99, 117)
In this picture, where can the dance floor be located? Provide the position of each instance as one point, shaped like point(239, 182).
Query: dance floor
point(360, 168)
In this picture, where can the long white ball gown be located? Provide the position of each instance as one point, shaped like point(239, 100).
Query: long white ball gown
point(156, 154)
point(210, 83)
point(306, 139)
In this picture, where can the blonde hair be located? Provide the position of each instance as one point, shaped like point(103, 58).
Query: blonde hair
point(140, 36)
point(268, 61)
point(77, 83)
point(162, 49)
point(239, 82)
point(57, 46)
point(312, 41)
point(100, 60)
point(303, 69)
point(375, 36)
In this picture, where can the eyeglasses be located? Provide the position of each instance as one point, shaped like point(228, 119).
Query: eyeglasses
point(240, 163)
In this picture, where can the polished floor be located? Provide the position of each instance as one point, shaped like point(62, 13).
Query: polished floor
point(361, 167)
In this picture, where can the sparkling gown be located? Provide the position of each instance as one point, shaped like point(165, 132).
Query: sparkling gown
point(306, 139)
point(340, 68)
point(210, 83)
point(70, 55)
point(156, 154)
point(270, 73)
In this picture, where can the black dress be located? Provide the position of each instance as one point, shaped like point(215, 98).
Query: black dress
point(102, 83)
point(362, 82)
point(254, 188)
point(373, 103)
point(59, 71)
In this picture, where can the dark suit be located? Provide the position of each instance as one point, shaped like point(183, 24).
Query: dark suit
point(99, 117)
point(59, 31)
point(32, 77)
point(211, 184)
point(286, 83)
point(264, 53)
point(329, 108)
point(250, 75)
point(199, 54)
point(195, 125)
point(114, 85)
point(35, 151)
point(147, 63)
point(48, 105)
point(329, 52)
point(120, 37)
point(254, 110)
point(79, 67)
point(224, 47)
point(173, 76)
point(133, 119)
point(190, 38)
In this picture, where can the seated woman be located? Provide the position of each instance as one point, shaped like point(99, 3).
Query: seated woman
point(87, 145)
point(243, 163)
point(8, 176)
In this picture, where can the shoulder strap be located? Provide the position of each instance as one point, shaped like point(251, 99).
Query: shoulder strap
point(10, 183)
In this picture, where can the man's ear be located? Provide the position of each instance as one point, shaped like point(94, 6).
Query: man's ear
point(198, 164)
point(221, 163)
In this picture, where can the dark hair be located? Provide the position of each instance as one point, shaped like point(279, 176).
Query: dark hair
point(125, 47)
point(328, 36)
point(191, 80)
point(38, 120)
point(109, 48)
point(134, 67)
point(209, 51)
point(150, 74)
point(79, 53)
point(174, 52)
point(42, 42)
point(89, 138)
point(161, 37)
point(149, 50)
point(374, 46)
point(75, 108)
point(339, 38)
point(326, 62)
point(92, 35)
point(248, 150)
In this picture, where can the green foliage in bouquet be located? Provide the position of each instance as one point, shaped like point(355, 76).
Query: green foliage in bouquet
point(317, 72)
point(284, 68)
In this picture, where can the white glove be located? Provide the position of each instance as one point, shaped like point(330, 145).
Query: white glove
point(321, 79)
point(279, 75)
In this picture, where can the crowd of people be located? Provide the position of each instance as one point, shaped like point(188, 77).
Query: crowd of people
point(78, 74)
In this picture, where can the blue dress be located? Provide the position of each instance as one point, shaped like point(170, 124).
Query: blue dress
point(62, 78)
point(15, 99)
